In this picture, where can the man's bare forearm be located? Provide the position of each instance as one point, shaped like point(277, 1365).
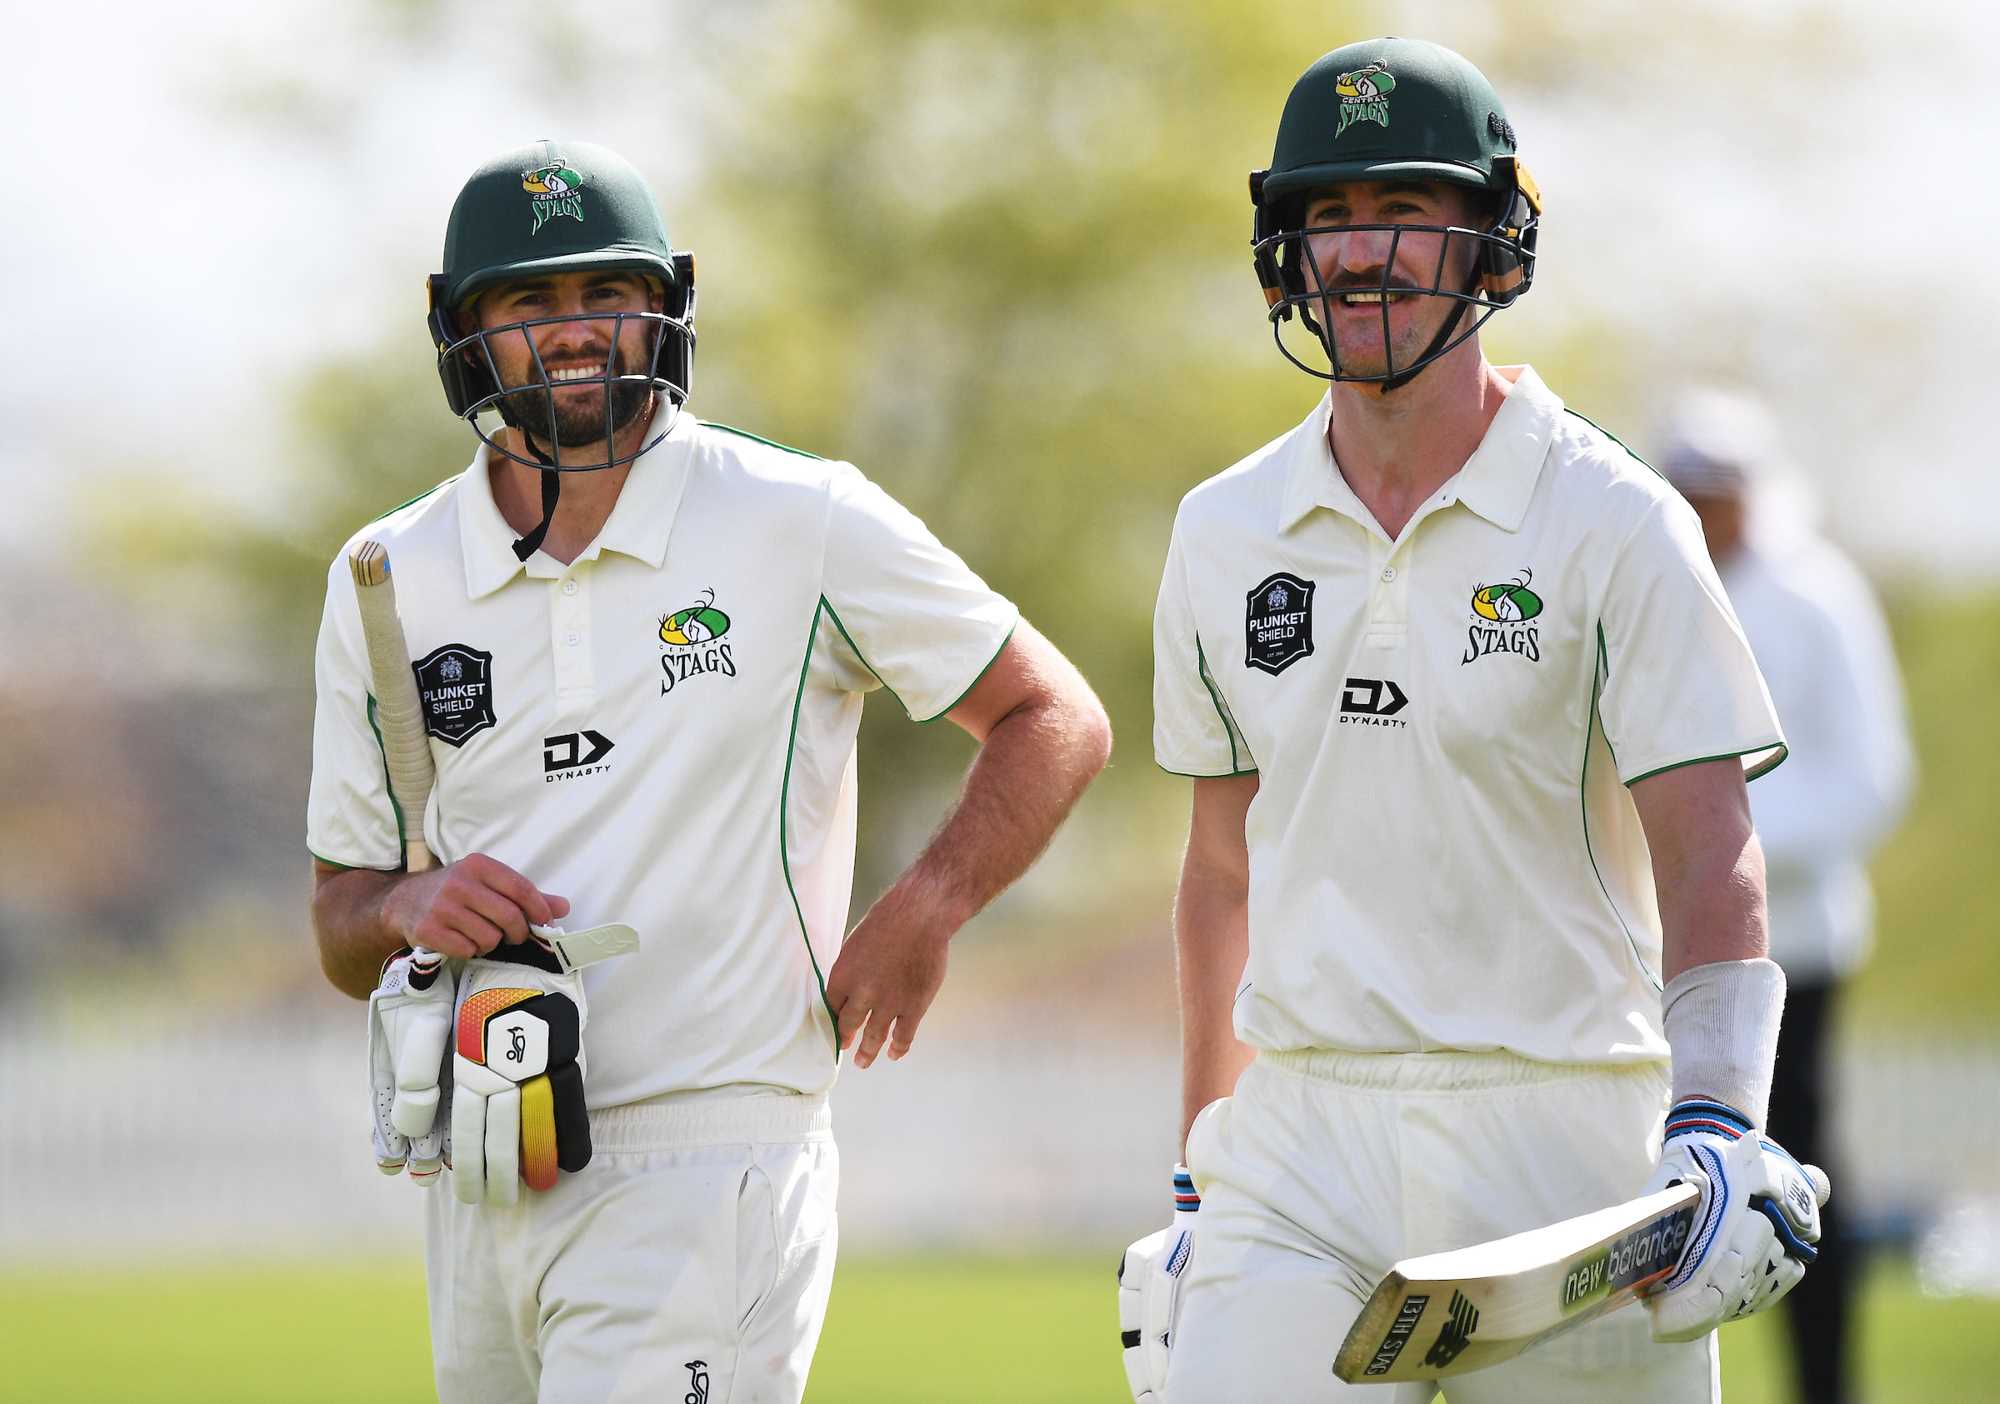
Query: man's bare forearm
point(1712, 907)
point(347, 914)
point(1030, 769)
point(1708, 868)
point(464, 909)
point(1212, 941)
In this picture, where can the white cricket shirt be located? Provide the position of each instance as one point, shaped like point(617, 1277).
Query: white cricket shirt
point(663, 731)
point(1443, 854)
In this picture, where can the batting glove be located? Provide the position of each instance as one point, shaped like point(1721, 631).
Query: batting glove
point(1754, 1226)
point(1149, 1294)
point(517, 1110)
point(409, 1027)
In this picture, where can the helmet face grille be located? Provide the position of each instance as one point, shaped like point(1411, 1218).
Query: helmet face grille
point(1502, 262)
point(473, 385)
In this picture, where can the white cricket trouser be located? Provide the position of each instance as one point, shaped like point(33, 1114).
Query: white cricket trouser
point(689, 1261)
point(1324, 1168)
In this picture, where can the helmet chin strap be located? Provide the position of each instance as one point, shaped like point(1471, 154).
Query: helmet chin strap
point(531, 542)
point(1423, 362)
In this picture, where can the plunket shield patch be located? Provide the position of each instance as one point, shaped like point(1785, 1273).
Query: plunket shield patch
point(1277, 625)
point(456, 683)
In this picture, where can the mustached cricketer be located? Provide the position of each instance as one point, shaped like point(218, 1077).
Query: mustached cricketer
point(641, 643)
point(1472, 913)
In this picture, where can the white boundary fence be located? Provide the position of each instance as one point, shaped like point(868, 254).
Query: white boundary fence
point(230, 1141)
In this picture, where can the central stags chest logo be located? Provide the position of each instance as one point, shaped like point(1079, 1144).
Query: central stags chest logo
point(1364, 96)
point(1501, 615)
point(555, 190)
point(692, 639)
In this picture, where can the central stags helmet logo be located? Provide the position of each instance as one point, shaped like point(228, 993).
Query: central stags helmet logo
point(556, 190)
point(1364, 96)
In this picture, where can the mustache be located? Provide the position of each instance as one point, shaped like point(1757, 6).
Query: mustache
point(589, 360)
point(1374, 285)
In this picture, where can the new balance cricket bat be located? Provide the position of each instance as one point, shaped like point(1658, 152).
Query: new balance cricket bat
point(1446, 1313)
point(399, 711)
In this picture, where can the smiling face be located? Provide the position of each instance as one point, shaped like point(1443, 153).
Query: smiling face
point(1374, 252)
point(577, 353)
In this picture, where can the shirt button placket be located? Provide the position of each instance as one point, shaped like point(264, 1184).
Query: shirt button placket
point(569, 630)
point(1388, 600)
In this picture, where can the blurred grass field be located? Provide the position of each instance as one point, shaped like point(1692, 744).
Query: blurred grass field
point(899, 1331)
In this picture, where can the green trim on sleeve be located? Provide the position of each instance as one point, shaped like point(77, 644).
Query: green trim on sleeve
point(1777, 750)
point(415, 500)
point(1604, 666)
point(834, 615)
point(402, 841)
point(319, 857)
point(1221, 715)
point(1776, 754)
point(1618, 441)
point(1192, 775)
point(758, 438)
point(986, 668)
point(1590, 728)
point(784, 822)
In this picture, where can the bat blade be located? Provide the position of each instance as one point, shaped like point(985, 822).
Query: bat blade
point(1447, 1313)
point(399, 711)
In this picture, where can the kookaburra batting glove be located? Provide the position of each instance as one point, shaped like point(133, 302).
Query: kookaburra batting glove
point(517, 1111)
point(1149, 1294)
point(517, 1108)
point(409, 1028)
point(1754, 1227)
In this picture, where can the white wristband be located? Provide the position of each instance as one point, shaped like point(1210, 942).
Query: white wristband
point(1722, 1024)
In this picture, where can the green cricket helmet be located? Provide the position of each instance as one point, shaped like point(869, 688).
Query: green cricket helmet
point(1393, 110)
point(559, 207)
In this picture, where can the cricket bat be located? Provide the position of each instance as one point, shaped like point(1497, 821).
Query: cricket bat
point(399, 711)
point(399, 715)
point(1446, 1313)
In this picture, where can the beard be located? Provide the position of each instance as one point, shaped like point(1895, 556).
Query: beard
point(1363, 351)
point(544, 414)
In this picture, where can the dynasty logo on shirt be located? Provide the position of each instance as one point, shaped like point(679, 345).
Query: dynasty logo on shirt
point(575, 754)
point(1501, 615)
point(456, 682)
point(1278, 624)
point(692, 643)
point(1372, 702)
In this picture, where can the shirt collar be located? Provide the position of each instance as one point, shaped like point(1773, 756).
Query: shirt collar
point(641, 519)
point(1497, 482)
point(1311, 479)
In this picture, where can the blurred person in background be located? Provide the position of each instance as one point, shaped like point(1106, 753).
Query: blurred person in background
point(1819, 637)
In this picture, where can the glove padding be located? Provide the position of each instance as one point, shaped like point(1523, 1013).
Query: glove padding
point(1754, 1228)
point(1149, 1294)
point(517, 1109)
point(409, 1031)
